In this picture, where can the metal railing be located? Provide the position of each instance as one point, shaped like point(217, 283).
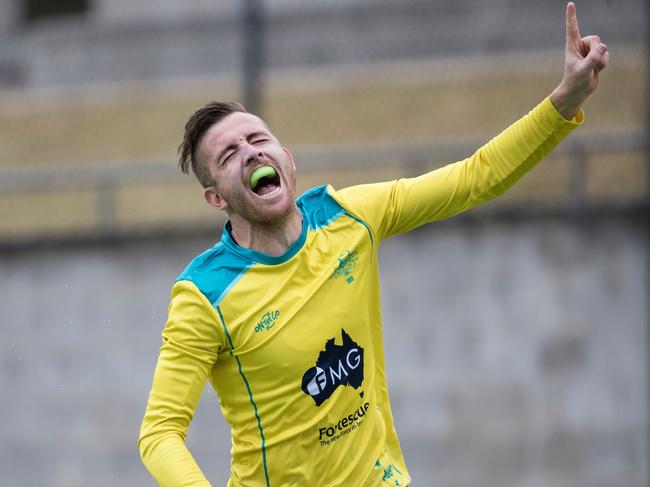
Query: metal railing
point(411, 160)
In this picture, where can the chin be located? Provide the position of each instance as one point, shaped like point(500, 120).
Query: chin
point(265, 211)
point(277, 213)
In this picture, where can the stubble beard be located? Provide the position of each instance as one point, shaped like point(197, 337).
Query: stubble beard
point(256, 215)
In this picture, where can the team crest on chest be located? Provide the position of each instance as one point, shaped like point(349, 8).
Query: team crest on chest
point(347, 263)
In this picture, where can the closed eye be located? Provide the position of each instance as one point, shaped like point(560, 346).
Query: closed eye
point(257, 137)
point(228, 156)
point(254, 138)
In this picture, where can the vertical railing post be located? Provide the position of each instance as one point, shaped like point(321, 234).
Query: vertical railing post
point(106, 207)
point(577, 177)
point(647, 229)
point(253, 30)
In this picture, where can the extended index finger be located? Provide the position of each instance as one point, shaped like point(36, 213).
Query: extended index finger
point(572, 30)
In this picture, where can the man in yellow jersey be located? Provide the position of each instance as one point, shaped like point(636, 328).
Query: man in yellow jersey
point(282, 316)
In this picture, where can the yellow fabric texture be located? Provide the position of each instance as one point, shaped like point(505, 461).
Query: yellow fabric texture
point(293, 346)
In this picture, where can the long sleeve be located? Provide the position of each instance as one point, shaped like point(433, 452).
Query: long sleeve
point(398, 206)
point(191, 342)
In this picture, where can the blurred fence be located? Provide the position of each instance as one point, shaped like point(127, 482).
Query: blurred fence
point(89, 127)
point(110, 201)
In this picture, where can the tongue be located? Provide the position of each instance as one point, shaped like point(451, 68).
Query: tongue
point(259, 173)
point(265, 187)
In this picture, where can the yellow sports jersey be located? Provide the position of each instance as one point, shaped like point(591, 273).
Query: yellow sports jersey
point(293, 344)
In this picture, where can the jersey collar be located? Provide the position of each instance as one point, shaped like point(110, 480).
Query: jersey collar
point(261, 257)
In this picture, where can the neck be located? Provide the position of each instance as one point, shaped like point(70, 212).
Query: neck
point(270, 238)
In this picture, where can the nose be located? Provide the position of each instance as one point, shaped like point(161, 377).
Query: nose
point(252, 155)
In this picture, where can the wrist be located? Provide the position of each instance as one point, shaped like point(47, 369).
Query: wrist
point(565, 102)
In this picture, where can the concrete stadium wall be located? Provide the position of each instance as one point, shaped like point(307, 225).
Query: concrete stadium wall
point(515, 351)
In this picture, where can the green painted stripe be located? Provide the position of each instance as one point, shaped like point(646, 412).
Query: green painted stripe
point(250, 396)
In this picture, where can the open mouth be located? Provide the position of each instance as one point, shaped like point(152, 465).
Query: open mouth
point(265, 181)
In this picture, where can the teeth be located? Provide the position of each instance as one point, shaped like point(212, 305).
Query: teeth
point(261, 172)
point(271, 193)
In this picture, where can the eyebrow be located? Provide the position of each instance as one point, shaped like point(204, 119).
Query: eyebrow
point(233, 146)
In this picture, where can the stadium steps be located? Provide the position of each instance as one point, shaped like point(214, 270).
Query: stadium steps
point(96, 163)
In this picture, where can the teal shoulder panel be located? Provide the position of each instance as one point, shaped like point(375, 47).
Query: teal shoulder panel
point(253, 255)
point(215, 272)
point(319, 208)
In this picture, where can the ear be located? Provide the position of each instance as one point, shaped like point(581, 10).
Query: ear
point(290, 155)
point(213, 198)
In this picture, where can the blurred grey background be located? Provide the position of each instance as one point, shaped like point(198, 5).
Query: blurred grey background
point(516, 335)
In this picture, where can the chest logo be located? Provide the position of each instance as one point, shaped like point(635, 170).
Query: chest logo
point(347, 262)
point(267, 321)
point(337, 365)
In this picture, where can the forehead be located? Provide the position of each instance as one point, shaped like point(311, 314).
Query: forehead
point(231, 128)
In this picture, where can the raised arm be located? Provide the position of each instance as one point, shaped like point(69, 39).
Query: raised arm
point(399, 206)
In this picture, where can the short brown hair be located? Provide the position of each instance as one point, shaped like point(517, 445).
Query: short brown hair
point(196, 126)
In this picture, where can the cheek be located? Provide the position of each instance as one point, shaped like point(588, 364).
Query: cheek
point(287, 163)
point(228, 179)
